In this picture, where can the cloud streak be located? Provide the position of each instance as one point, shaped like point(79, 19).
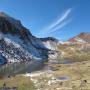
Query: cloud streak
point(58, 24)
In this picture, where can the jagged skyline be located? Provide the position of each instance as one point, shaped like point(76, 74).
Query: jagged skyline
point(61, 19)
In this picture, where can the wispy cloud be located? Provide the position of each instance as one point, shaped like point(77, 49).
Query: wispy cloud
point(58, 24)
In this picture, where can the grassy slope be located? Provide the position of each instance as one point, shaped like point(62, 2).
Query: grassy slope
point(23, 83)
point(74, 52)
point(78, 72)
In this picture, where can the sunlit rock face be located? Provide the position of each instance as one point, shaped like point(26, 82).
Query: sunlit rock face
point(81, 41)
point(17, 43)
point(52, 44)
point(81, 38)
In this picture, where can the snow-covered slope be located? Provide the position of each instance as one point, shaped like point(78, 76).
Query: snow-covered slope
point(50, 42)
point(17, 43)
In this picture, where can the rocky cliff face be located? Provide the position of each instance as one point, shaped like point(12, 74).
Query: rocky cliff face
point(81, 41)
point(50, 42)
point(17, 43)
point(77, 47)
point(2, 59)
point(82, 37)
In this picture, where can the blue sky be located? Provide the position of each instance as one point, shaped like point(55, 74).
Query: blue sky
point(62, 19)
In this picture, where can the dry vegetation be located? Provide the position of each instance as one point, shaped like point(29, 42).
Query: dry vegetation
point(21, 82)
point(78, 73)
point(74, 52)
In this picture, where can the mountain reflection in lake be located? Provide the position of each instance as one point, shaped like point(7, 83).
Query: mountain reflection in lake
point(12, 69)
point(20, 67)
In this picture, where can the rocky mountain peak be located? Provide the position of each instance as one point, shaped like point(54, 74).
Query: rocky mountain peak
point(17, 43)
point(9, 25)
point(2, 14)
point(50, 39)
point(82, 37)
point(9, 18)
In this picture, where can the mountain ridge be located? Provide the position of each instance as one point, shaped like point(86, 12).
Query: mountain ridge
point(82, 37)
point(17, 43)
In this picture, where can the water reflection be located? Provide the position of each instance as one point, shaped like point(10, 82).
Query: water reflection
point(63, 78)
point(28, 66)
point(20, 67)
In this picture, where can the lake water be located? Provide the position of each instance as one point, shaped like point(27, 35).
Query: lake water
point(63, 78)
point(29, 66)
point(20, 68)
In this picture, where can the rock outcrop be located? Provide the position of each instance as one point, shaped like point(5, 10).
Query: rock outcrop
point(17, 43)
